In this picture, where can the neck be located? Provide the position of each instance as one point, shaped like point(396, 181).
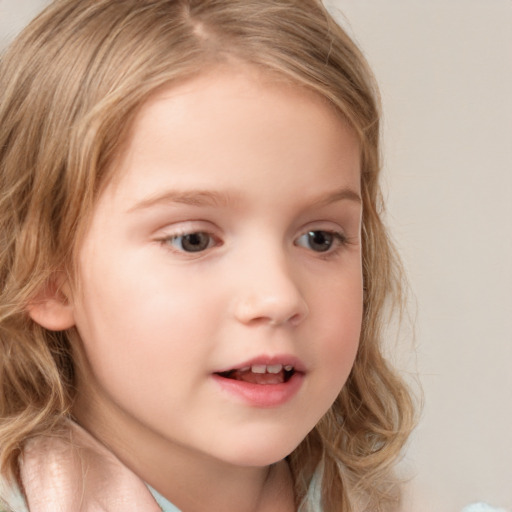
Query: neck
point(247, 490)
point(197, 483)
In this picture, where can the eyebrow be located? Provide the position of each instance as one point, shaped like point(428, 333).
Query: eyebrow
point(188, 197)
point(220, 198)
point(342, 194)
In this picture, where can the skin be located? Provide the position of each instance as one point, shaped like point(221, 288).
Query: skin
point(255, 164)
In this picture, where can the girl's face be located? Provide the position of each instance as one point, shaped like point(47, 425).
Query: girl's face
point(221, 286)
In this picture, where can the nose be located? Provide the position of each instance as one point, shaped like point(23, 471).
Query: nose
point(268, 293)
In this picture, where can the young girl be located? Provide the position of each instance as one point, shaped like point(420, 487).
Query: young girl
point(193, 265)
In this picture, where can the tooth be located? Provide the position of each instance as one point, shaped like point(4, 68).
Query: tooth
point(288, 367)
point(259, 368)
point(274, 368)
point(245, 369)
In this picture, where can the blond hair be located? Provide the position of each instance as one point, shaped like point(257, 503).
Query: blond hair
point(69, 87)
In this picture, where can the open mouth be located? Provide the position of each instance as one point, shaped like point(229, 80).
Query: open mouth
point(261, 374)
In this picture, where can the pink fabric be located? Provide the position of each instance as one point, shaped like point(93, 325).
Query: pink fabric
point(78, 474)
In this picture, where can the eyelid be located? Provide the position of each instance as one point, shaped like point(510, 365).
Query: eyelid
point(337, 234)
point(346, 232)
point(172, 232)
point(185, 227)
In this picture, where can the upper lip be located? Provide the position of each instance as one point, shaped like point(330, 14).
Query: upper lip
point(282, 359)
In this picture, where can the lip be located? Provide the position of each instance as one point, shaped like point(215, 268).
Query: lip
point(284, 359)
point(263, 395)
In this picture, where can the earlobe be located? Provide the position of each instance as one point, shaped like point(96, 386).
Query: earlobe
point(52, 309)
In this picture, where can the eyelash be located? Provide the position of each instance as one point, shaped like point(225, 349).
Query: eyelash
point(334, 239)
point(194, 237)
point(337, 241)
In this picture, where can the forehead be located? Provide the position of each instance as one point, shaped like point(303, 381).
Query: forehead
point(231, 120)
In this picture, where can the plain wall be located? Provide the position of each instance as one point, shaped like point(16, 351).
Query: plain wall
point(445, 71)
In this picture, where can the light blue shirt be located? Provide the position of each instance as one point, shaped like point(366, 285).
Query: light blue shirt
point(164, 504)
point(167, 506)
point(482, 507)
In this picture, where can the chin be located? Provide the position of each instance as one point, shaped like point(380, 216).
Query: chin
point(263, 450)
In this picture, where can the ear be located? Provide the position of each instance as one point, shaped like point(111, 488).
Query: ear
point(52, 309)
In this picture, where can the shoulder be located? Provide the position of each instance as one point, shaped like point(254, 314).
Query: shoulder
point(482, 507)
point(11, 498)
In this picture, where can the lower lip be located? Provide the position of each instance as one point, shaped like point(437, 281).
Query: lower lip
point(262, 395)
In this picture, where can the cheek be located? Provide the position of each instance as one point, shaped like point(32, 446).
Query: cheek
point(133, 318)
point(341, 312)
point(140, 343)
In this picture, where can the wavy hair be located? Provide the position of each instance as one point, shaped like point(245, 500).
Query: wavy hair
point(70, 85)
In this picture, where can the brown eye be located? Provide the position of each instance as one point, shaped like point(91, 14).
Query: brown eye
point(319, 241)
point(192, 242)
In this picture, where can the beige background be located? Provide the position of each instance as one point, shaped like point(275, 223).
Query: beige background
point(445, 70)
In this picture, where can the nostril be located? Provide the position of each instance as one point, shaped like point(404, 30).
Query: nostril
point(270, 294)
point(273, 311)
point(297, 318)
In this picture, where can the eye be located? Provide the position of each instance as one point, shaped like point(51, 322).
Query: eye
point(320, 241)
point(191, 242)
